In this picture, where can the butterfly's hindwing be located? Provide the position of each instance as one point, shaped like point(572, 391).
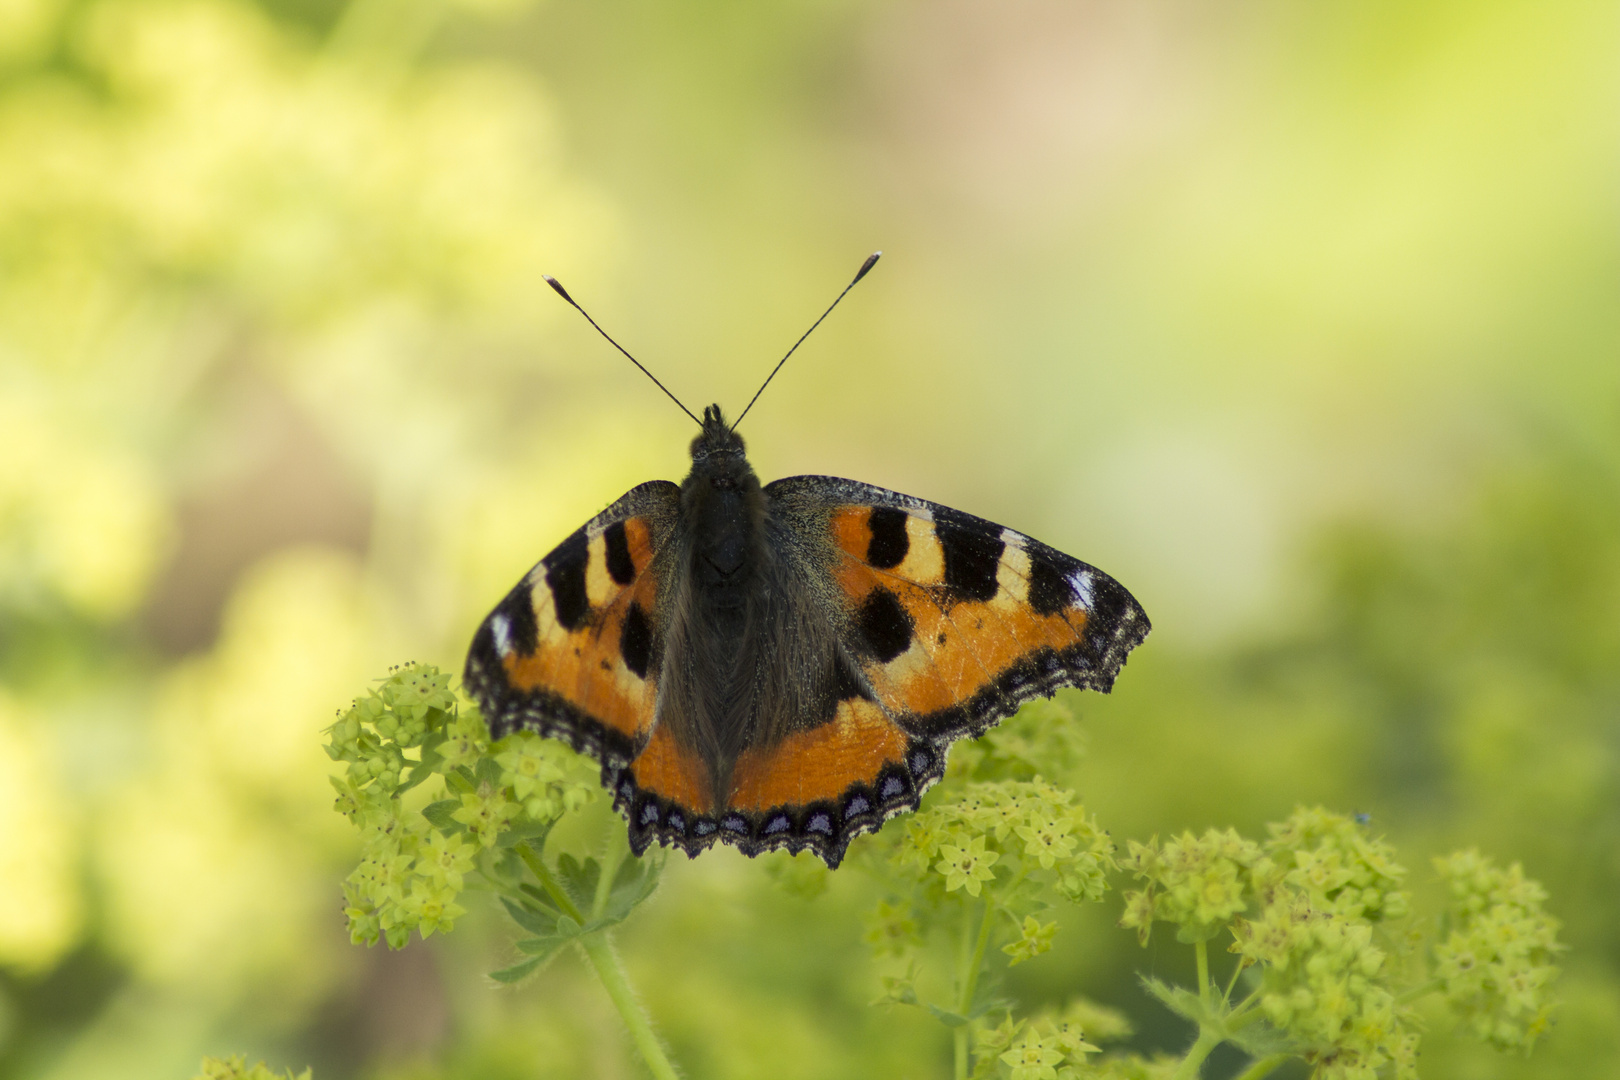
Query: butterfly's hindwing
point(572, 649)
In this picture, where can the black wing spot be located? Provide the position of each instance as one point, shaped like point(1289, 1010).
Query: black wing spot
point(971, 558)
point(889, 544)
point(1049, 590)
point(635, 641)
point(565, 575)
point(885, 624)
point(518, 609)
point(620, 566)
point(941, 639)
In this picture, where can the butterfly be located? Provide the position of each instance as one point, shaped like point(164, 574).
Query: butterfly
point(785, 665)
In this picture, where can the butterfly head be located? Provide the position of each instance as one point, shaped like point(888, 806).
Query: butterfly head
point(718, 457)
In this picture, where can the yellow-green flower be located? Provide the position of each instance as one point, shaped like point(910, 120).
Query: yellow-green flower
point(966, 867)
point(1033, 1059)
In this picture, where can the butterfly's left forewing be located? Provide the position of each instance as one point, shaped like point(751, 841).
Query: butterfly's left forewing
point(956, 621)
point(572, 649)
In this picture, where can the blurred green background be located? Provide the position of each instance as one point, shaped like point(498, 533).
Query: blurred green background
point(1299, 319)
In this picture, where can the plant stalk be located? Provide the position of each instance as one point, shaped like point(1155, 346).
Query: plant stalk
point(1201, 950)
point(1263, 1067)
point(1188, 1069)
point(967, 977)
point(599, 950)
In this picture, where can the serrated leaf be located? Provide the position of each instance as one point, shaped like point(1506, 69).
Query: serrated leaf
point(579, 878)
point(988, 998)
point(1179, 1000)
point(542, 922)
point(525, 830)
point(1262, 1040)
point(543, 947)
point(636, 880)
point(438, 813)
point(517, 971)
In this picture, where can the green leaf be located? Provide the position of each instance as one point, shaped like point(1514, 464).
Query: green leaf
point(579, 878)
point(636, 880)
point(524, 828)
point(541, 921)
point(1181, 1001)
point(946, 1017)
point(460, 781)
point(438, 813)
point(544, 947)
point(1262, 1040)
point(517, 971)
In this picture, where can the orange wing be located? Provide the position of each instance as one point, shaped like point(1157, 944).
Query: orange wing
point(954, 620)
point(948, 624)
point(572, 651)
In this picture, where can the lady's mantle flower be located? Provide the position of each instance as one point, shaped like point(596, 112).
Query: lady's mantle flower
point(966, 866)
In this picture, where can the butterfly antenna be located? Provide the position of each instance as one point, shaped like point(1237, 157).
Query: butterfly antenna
point(562, 292)
point(871, 261)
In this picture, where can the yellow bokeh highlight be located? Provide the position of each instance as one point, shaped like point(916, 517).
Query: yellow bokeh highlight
point(41, 903)
point(84, 521)
point(216, 859)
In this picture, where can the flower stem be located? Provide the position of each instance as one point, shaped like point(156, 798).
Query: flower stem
point(1263, 1067)
point(1188, 1069)
point(967, 977)
point(548, 881)
point(1201, 950)
point(599, 950)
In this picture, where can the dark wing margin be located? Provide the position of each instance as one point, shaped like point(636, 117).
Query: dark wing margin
point(570, 651)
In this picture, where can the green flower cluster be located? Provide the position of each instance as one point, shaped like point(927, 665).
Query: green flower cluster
point(998, 848)
point(1494, 955)
point(1200, 884)
point(1327, 985)
point(235, 1068)
point(432, 805)
point(1314, 893)
point(1306, 910)
point(1059, 1046)
point(1025, 831)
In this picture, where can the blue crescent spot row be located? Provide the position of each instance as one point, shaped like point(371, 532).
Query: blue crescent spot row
point(825, 826)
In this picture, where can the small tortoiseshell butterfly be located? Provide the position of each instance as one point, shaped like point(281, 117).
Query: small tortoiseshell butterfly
point(786, 665)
